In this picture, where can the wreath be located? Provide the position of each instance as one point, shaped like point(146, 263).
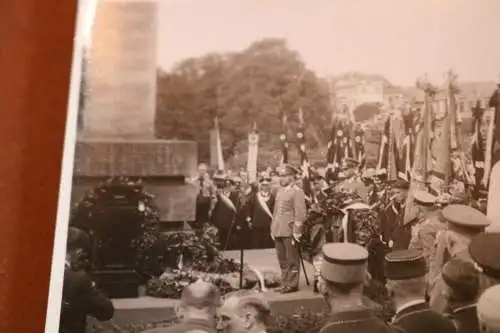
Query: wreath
point(124, 193)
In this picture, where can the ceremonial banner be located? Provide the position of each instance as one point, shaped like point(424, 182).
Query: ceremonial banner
point(407, 148)
point(388, 152)
point(358, 147)
point(490, 145)
point(284, 140)
point(216, 157)
point(253, 153)
point(304, 161)
point(478, 149)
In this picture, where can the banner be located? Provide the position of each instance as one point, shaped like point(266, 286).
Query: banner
point(216, 157)
point(253, 154)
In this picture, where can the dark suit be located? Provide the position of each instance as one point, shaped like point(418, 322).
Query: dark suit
point(81, 299)
point(419, 318)
point(224, 217)
point(258, 211)
point(356, 321)
point(465, 319)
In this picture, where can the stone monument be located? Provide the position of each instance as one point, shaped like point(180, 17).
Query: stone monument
point(117, 137)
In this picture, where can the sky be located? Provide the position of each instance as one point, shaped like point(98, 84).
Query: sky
point(400, 39)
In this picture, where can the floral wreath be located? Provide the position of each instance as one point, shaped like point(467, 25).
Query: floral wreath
point(85, 213)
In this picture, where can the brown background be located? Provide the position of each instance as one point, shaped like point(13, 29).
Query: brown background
point(35, 63)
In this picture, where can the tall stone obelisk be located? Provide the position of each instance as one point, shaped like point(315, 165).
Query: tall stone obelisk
point(121, 71)
point(117, 137)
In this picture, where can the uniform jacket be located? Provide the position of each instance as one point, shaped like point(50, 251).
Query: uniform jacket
point(198, 326)
point(356, 321)
point(465, 319)
point(206, 187)
point(81, 299)
point(419, 318)
point(289, 212)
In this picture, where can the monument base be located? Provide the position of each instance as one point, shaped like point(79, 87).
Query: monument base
point(118, 284)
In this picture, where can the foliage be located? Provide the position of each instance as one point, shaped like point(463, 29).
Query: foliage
point(257, 84)
point(91, 214)
point(366, 112)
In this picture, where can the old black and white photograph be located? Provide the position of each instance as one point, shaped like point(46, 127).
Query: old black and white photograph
point(245, 166)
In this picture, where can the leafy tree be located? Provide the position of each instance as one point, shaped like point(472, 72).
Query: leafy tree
point(258, 84)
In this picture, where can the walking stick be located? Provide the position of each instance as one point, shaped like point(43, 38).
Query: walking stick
point(302, 264)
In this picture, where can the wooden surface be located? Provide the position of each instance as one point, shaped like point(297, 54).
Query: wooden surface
point(35, 65)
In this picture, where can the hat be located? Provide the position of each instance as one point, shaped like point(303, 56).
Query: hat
point(400, 184)
point(289, 170)
point(369, 173)
point(484, 249)
point(344, 263)
point(424, 198)
point(462, 277)
point(487, 309)
point(465, 216)
point(265, 179)
point(405, 264)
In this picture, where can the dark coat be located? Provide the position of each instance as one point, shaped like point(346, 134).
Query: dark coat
point(465, 319)
point(224, 217)
point(81, 299)
point(356, 321)
point(419, 318)
point(258, 215)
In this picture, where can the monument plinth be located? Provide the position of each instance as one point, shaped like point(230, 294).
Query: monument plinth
point(117, 137)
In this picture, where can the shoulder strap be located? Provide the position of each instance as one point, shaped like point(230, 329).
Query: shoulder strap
point(398, 328)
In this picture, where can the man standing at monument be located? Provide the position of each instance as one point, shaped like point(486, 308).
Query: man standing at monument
point(206, 195)
point(286, 228)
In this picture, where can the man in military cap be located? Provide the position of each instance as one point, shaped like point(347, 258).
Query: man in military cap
point(462, 289)
point(488, 313)
point(393, 230)
point(484, 249)
point(462, 224)
point(197, 310)
point(427, 225)
point(80, 297)
point(405, 272)
point(286, 228)
point(343, 274)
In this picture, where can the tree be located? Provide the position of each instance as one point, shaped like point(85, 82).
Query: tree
point(258, 84)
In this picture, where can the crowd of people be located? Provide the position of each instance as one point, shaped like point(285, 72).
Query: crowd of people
point(440, 266)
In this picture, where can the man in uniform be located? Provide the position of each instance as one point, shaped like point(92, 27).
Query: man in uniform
point(286, 228)
point(462, 282)
point(484, 249)
point(463, 223)
point(393, 230)
point(258, 210)
point(488, 312)
point(405, 271)
point(343, 274)
point(197, 310)
point(244, 311)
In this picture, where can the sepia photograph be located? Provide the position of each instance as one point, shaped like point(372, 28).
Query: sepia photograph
point(281, 166)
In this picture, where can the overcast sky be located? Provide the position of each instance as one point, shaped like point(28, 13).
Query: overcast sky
point(401, 39)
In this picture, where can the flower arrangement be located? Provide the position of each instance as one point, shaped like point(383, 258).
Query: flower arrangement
point(89, 214)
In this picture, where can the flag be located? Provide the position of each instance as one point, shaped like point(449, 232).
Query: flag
point(216, 156)
point(358, 146)
point(407, 148)
point(253, 153)
point(419, 171)
point(490, 148)
point(478, 149)
point(388, 151)
point(304, 161)
point(284, 140)
point(494, 103)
